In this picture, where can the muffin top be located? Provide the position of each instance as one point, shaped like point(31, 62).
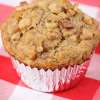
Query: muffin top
point(50, 34)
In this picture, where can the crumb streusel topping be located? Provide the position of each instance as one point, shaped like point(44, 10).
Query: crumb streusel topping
point(50, 34)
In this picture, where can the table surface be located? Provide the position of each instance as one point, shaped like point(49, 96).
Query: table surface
point(12, 88)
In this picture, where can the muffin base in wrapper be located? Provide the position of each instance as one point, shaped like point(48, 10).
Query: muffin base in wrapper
point(51, 81)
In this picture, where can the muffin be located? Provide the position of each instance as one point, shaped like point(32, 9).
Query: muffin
point(50, 43)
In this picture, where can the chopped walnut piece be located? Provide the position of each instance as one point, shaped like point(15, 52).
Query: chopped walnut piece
point(55, 8)
point(24, 23)
point(86, 34)
point(66, 23)
point(15, 37)
point(88, 20)
point(71, 12)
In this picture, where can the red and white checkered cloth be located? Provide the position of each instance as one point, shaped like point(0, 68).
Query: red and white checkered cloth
point(12, 88)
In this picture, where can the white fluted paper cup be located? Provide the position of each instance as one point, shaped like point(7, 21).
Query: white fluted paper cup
point(51, 81)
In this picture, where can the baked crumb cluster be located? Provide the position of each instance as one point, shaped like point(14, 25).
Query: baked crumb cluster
point(50, 34)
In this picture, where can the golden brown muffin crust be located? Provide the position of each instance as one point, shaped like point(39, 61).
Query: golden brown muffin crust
point(50, 34)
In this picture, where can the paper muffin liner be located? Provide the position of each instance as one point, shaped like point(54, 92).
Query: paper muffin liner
point(51, 81)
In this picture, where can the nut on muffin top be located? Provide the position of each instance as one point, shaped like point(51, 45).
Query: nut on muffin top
point(50, 34)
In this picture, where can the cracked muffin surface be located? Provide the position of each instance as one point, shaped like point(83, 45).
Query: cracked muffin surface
point(50, 34)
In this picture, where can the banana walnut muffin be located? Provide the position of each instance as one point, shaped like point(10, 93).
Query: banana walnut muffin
point(50, 34)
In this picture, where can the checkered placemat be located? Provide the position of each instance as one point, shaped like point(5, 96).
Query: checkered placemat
point(12, 88)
